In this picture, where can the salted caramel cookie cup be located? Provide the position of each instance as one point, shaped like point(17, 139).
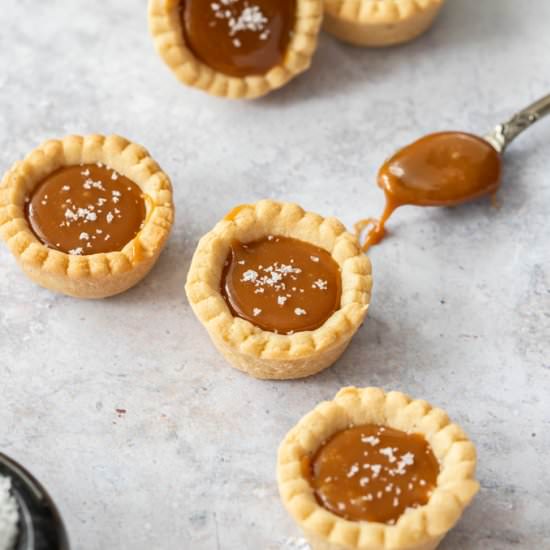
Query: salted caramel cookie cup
point(280, 291)
point(86, 216)
point(371, 470)
point(377, 23)
point(236, 48)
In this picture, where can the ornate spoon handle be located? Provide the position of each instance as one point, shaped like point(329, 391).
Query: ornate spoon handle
point(505, 133)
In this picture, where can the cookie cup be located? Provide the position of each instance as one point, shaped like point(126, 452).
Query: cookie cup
point(421, 528)
point(379, 23)
point(96, 275)
point(266, 354)
point(166, 30)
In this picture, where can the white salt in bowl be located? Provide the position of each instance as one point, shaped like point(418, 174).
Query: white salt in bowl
point(40, 526)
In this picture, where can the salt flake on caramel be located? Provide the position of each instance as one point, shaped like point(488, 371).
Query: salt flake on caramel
point(371, 473)
point(274, 284)
point(75, 205)
point(238, 37)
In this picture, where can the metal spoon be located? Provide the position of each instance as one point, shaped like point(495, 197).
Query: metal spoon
point(501, 137)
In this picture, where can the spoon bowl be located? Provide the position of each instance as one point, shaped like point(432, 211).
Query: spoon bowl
point(442, 169)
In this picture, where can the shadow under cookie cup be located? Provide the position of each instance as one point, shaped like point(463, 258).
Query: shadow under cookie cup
point(96, 275)
point(264, 354)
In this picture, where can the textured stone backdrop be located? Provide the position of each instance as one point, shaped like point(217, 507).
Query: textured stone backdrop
point(461, 310)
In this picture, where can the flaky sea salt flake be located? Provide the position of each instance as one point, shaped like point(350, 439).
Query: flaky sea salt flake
point(249, 276)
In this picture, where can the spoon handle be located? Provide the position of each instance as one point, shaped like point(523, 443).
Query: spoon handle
point(505, 133)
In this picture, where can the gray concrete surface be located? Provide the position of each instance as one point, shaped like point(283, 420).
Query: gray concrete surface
point(461, 309)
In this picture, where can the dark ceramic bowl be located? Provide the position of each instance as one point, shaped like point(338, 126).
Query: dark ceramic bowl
point(40, 525)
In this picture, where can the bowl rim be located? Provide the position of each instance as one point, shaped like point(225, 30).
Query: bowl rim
point(32, 500)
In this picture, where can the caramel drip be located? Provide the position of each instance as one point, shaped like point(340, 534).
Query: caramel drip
point(238, 37)
point(372, 473)
point(443, 169)
point(375, 228)
point(281, 285)
point(232, 214)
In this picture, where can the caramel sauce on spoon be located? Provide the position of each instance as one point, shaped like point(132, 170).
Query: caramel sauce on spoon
point(442, 169)
point(447, 168)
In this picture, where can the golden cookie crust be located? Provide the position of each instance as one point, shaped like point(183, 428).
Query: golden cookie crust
point(97, 275)
point(419, 529)
point(265, 354)
point(379, 23)
point(165, 28)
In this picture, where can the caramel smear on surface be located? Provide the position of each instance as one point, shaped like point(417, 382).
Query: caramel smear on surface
point(372, 473)
point(86, 209)
point(281, 284)
point(238, 37)
point(232, 215)
point(443, 169)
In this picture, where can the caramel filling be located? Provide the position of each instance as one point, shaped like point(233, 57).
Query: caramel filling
point(372, 473)
point(238, 37)
point(441, 169)
point(281, 285)
point(88, 209)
